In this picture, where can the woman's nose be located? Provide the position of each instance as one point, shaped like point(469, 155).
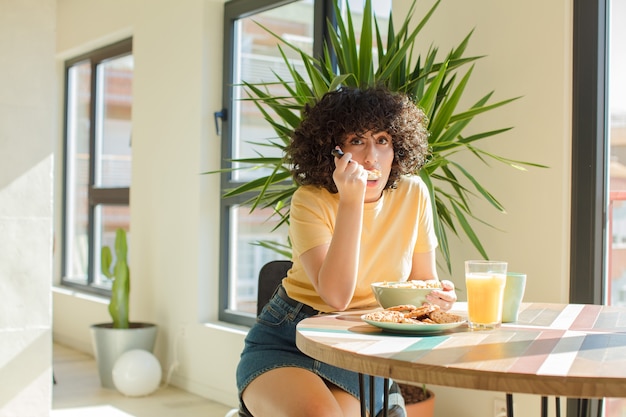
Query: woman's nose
point(371, 156)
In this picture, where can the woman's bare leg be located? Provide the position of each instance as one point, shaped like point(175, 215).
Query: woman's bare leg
point(348, 404)
point(291, 392)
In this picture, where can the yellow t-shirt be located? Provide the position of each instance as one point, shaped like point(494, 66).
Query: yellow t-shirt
point(395, 227)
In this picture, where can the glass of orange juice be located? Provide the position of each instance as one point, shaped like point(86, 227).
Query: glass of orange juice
point(484, 281)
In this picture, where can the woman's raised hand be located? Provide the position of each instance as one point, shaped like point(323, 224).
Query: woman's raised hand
point(350, 177)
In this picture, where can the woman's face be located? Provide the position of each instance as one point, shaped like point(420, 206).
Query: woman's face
point(374, 151)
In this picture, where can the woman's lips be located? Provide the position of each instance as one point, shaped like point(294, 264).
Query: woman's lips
point(373, 175)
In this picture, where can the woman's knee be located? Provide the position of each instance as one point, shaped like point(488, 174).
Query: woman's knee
point(293, 392)
point(310, 408)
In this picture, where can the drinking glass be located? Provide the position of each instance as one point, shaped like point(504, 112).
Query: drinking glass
point(513, 294)
point(485, 281)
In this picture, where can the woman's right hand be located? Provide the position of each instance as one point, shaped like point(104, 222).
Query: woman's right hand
point(350, 178)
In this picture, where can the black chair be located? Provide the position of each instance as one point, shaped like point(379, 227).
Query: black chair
point(270, 277)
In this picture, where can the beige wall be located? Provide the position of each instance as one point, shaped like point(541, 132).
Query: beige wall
point(175, 217)
point(27, 125)
point(528, 54)
point(175, 214)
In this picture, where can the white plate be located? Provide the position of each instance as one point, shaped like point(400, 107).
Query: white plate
point(413, 328)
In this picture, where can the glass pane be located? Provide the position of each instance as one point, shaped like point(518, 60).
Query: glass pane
point(616, 285)
point(247, 257)
point(616, 288)
point(109, 218)
point(256, 59)
point(113, 122)
point(77, 171)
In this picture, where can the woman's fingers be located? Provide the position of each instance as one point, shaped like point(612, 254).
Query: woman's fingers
point(447, 285)
point(444, 298)
point(349, 170)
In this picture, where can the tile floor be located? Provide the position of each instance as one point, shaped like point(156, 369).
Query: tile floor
point(78, 393)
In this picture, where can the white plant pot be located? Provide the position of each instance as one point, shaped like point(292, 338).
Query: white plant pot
point(110, 343)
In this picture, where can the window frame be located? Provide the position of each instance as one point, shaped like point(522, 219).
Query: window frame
point(590, 158)
point(119, 196)
point(234, 10)
point(590, 152)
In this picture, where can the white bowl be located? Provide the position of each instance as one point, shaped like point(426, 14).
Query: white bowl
point(390, 294)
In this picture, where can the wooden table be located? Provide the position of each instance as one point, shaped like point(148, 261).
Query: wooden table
point(568, 350)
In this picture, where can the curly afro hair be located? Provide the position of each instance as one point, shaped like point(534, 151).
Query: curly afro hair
point(353, 110)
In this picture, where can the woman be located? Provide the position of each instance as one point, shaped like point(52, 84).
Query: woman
point(355, 219)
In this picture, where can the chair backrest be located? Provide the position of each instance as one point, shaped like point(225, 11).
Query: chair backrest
point(270, 276)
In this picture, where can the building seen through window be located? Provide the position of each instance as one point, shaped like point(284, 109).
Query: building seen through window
point(97, 160)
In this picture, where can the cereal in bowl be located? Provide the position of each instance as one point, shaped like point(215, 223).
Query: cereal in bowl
point(415, 283)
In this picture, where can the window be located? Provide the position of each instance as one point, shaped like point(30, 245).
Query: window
point(598, 180)
point(616, 277)
point(97, 160)
point(251, 55)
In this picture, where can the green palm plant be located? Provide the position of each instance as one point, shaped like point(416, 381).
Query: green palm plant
point(436, 86)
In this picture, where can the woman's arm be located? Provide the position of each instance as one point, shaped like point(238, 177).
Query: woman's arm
point(424, 268)
point(333, 268)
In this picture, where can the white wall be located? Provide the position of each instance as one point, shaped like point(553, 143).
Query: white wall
point(175, 217)
point(528, 53)
point(27, 124)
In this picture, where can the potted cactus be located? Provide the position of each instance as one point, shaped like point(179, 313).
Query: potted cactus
point(120, 275)
point(112, 339)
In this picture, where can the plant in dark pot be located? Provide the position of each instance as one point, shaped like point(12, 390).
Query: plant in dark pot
point(112, 339)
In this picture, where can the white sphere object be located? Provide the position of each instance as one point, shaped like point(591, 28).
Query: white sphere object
point(136, 373)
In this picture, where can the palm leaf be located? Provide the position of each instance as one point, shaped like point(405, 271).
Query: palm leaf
point(366, 64)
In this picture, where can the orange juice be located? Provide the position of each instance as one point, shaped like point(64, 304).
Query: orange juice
point(484, 298)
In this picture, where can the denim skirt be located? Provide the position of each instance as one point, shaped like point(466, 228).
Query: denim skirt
point(271, 344)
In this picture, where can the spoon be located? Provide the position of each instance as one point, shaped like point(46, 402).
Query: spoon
point(337, 153)
point(371, 175)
